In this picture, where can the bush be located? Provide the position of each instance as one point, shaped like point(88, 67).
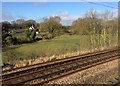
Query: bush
point(33, 35)
point(30, 35)
point(14, 40)
point(23, 40)
point(8, 40)
point(47, 36)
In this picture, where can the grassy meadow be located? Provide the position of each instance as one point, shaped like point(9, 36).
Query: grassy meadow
point(57, 46)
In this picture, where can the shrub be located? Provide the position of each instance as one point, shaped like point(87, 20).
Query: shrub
point(9, 40)
point(47, 36)
point(30, 35)
point(33, 35)
point(22, 40)
point(14, 40)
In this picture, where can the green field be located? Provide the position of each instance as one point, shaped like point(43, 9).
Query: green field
point(57, 46)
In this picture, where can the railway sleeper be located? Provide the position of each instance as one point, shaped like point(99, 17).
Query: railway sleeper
point(49, 75)
point(29, 80)
point(19, 73)
point(106, 57)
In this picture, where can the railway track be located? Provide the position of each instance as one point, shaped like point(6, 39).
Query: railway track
point(46, 72)
point(43, 64)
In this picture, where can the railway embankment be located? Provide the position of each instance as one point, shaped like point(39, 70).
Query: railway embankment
point(49, 58)
point(62, 68)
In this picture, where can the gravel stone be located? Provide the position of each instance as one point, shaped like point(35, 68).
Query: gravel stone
point(106, 73)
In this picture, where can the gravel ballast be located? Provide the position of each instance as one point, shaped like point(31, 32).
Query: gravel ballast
point(106, 73)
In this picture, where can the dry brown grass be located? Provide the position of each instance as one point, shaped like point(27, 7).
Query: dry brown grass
point(47, 59)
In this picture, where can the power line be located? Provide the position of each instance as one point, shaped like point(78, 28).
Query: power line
point(111, 4)
point(100, 4)
point(104, 5)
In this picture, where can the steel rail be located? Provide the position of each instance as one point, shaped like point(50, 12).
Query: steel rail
point(68, 63)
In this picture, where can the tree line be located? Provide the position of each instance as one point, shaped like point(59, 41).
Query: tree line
point(98, 26)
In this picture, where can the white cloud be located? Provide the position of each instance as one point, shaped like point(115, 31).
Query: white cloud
point(7, 17)
point(20, 17)
point(66, 18)
point(111, 14)
point(115, 13)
